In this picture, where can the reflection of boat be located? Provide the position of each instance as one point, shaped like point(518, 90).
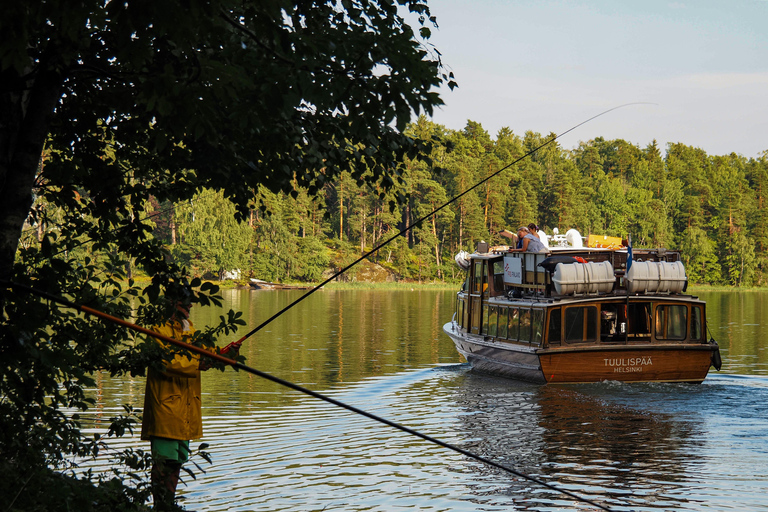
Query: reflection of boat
point(576, 315)
point(604, 441)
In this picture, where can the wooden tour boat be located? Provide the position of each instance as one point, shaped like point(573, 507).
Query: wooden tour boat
point(576, 314)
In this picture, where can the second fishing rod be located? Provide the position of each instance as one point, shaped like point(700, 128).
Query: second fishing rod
point(222, 359)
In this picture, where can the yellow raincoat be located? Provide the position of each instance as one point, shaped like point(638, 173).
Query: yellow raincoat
point(172, 398)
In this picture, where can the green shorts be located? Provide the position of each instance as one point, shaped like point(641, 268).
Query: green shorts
point(169, 450)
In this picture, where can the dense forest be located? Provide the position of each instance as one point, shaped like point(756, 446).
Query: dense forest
point(712, 208)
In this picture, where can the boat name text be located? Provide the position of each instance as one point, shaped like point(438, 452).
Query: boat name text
point(629, 364)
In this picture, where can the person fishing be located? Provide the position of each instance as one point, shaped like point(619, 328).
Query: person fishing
point(172, 407)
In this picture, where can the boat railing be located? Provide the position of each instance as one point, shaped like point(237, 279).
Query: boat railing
point(527, 273)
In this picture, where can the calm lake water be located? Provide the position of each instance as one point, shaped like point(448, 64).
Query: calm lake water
point(627, 446)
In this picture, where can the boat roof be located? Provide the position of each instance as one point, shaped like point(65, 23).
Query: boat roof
point(539, 279)
point(495, 252)
point(559, 300)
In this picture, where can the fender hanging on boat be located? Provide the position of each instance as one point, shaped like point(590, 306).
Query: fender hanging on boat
point(717, 362)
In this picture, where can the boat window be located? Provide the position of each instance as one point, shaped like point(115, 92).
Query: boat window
point(537, 321)
point(640, 319)
point(475, 315)
point(513, 324)
point(460, 311)
point(525, 325)
point(554, 326)
point(485, 319)
point(677, 325)
point(477, 284)
point(609, 322)
point(493, 316)
point(503, 322)
point(671, 322)
point(498, 277)
point(581, 324)
point(591, 334)
point(696, 330)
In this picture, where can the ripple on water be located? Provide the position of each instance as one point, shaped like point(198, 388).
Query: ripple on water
point(644, 447)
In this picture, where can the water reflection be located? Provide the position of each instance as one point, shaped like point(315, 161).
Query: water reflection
point(735, 320)
point(638, 447)
point(608, 452)
point(339, 336)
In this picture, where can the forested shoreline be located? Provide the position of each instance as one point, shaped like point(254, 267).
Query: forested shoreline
point(712, 208)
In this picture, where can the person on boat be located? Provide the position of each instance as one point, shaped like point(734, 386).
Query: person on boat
point(172, 408)
point(508, 234)
point(534, 230)
point(530, 243)
point(523, 231)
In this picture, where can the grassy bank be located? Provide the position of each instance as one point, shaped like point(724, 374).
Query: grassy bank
point(143, 281)
point(439, 285)
point(699, 288)
point(400, 285)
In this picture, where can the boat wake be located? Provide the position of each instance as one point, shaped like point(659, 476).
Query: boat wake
point(750, 381)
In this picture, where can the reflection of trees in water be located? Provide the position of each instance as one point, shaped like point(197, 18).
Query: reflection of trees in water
point(734, 319)
point(607, 452)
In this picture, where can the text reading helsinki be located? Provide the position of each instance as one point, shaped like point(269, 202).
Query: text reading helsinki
point(574, 313)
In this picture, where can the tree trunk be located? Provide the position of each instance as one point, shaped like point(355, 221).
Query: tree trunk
point(341, 208)
point(362, 226)
point(437, 247)
point(407, 221)
point(24, 124)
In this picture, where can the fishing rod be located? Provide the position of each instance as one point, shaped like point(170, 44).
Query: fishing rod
point(236, 344)
point(240, 366)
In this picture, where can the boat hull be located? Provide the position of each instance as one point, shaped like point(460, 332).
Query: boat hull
point(497, 358)
point(624, 363)
point(651, 363)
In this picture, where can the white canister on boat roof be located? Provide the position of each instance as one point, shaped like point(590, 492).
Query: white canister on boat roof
point(462, 260)
point(592, 277)
point(656, 277)
point(573, 237)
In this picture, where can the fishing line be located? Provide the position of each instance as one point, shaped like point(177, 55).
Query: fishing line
point(301, 389)
point(422, 219)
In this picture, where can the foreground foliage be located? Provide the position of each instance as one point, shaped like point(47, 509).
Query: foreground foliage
point(132, 103)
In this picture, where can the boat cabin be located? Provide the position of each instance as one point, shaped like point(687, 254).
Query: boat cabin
point(578, 297)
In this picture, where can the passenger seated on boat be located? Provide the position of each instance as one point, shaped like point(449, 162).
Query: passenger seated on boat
point(523, 231)
point(608, 318)
point(530, 243)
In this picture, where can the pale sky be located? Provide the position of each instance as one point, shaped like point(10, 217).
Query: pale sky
point(547, 65)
